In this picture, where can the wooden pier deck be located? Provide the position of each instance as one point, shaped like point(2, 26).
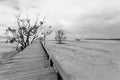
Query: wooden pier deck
point(29, 64)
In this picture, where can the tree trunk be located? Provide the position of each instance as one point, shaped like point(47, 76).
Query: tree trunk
point(27, 41)
point(60, 41)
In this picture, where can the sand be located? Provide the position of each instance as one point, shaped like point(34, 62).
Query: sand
point(88, 60)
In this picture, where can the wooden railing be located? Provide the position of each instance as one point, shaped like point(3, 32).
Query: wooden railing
point(62, 75)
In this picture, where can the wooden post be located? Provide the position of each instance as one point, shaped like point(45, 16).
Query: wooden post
point(44, 38)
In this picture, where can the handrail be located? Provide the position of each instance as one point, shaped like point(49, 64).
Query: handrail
point(62, 75)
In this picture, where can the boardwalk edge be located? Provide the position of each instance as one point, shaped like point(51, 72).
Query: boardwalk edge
point(62, 75)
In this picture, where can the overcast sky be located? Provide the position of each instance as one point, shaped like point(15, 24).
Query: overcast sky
point(86, 17)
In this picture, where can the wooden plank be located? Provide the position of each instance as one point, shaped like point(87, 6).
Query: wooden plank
point(29, 64)
point(25, 71)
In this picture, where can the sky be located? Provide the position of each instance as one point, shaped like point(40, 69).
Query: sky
point(86, 18)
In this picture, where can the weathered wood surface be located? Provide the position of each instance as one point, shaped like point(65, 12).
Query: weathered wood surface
point(30, 64)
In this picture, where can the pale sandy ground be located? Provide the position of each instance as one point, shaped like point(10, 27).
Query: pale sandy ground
point(88, 60)
point(6, 49)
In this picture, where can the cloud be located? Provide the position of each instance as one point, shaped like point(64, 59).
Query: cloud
point(10, 3)
point(99, 17)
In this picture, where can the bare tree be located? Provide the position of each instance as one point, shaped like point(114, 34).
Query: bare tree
point(26, 32)
point(60, 36)
point(45, 33)
point(9, 38)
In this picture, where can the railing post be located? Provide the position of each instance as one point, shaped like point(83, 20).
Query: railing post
point(44, 38)
point(51, 62)
point(59, 76)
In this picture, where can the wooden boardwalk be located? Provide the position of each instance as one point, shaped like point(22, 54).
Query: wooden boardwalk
point(29, 64)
